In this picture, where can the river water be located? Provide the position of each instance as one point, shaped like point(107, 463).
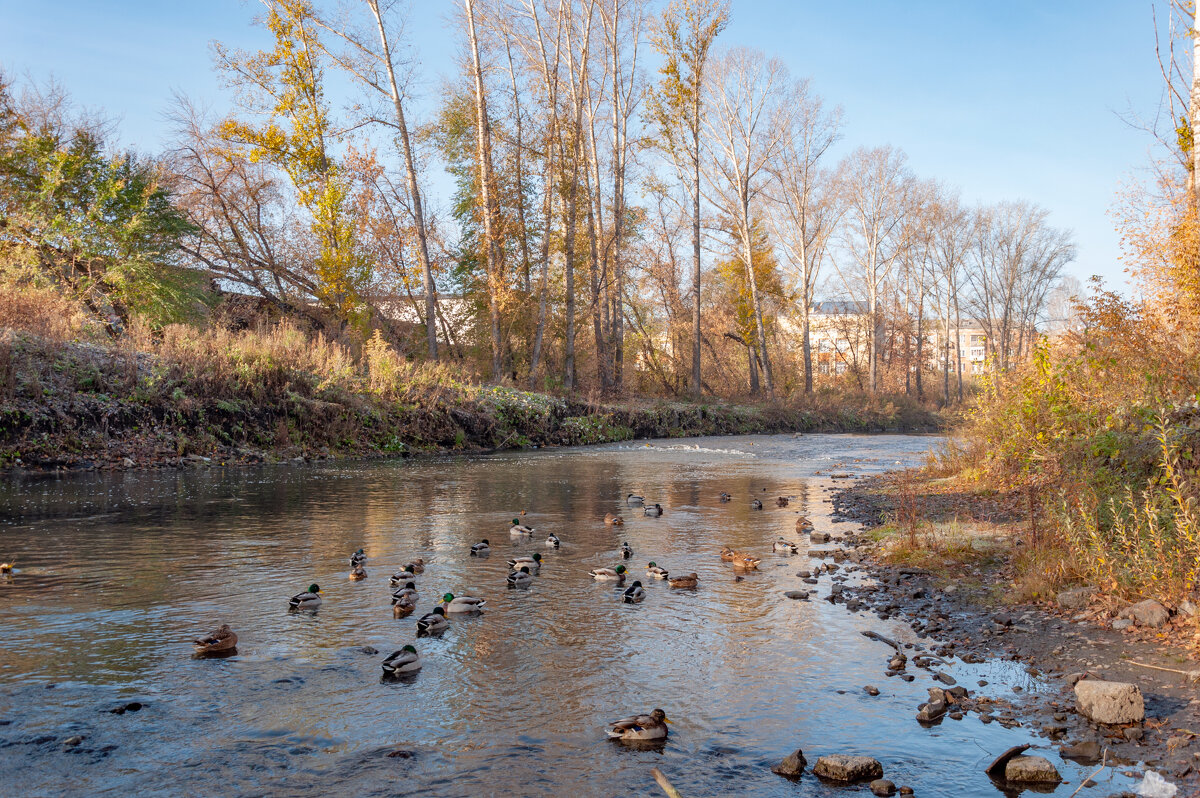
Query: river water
point(117, 572)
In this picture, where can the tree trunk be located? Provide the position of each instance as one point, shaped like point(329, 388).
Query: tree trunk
point(806, 341)
point(696, 385)
point(1194, 110)
point(748, 252)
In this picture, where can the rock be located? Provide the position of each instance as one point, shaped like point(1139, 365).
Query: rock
point(906, 790)
point(797, 595)
point(71, 742)
point(804, 574)
point(1188, 608)
point(957, 693)
point(944, 678)
point(1110, 702)
point(792, 765)
point(871, 690)
point(996, 769)
point(882, 787)
point(1075, 599)
point(1031, 770)
point(849, 769)
point(1147, 613)
point(820, 537)
point(931, 711)
point(1133, 733)
point(1002, 619)
point(1121, 624)
point(127, 462)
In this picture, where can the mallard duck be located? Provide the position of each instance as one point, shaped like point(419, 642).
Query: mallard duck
point(785, 546)
point(745, 561)
point(308, 600)
point(552, 540)
point(611, 519)
point(640, 727)
point(610, 574)
point(224, 639)
point(782, 501)
point(480, 549)
point(7, 567)
point(653, 510)
point(453, 603)
point(406, 660)
point(725, 497)
point(417, 566)
point(634, 593)
point(432, 622)
point(408, 592)
point(534, 563)
point(656, 571)
point(803, 524)
point(755, 504)
point(727, 554)
point(358, 558)
point(401, 576)
point(691, 580)
point(358, 573)
point(626, 551)
point(521, 578)
point(404, 607)
point(520, 529)
point(633, 500)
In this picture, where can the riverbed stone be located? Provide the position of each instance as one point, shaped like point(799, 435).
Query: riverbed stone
point(931, 711)
point(792, 765)
point(849, 769)
point(1121, 624)
point(882, 787)
point(1075, 599)
point(1110, 702)
point(797, 595)
point(1031, 770)
point(871, 690)
point(1147, 613)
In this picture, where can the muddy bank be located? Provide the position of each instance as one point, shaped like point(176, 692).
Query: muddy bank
point(959, 610)
point(80, 406)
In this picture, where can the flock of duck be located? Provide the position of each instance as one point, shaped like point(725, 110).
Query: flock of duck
point(522, 570)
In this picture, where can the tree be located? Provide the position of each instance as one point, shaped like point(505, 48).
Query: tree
point(744, 291)
point(683, 36)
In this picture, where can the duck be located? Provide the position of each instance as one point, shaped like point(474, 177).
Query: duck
point(725, 497)
point(223, 639)
point(613, 520)
point(534, 563)
point(745, 562)
point(358, 558)
point(432, 622)
point(521, 578)
point(552, 540)
point(727, 554)
point(640, 727)
point(358, 573)
point(755, 504)
point(417, 566)
point(308, 600)
point(782, 501)
point(406, 593)
point(626, 551)
point(803, 524)
point(520, 529)
point(653, 510)
point(691, 580)
point(609, 574)
point(404, 607)
point(633, 500)
point(453, 603)
point(401, 576)
point(481, 549)
point(655, 570)
point(406, 660)
point(634, 593)
point(785, 547)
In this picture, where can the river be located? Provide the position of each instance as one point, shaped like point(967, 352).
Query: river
point(117, 572)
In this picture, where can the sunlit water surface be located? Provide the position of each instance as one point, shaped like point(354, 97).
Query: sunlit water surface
point(118, 572)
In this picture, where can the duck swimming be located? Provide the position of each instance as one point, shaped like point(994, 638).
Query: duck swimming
point(613, 520)
point(633, 500)
point(521, 578)
point(785, 547)
point(653, 510)
point(417, 566)
point(626, 551)
point(552, 540)
point(308, 600)
point(222, 640)
point(408, 592)
point(534, 563)
point(656, 571)
point(634, 594)
point(782, 501)
point(640, 727)
point(404, 607)
point(725, 497)
point(358, 573)
point(755, 504)
point(432, 622)
point(452, 603)
point(358, 558)
point(519, 529)
point(401, 576)
point(691, 580)
point(480, 549)
point(406, 660)
point(609, 574)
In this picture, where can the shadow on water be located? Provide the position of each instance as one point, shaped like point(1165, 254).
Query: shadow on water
point(121, 571)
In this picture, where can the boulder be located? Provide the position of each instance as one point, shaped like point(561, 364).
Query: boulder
point(1110, 702)
point(931, 711)
point(1147, 613)
point(792, 765)
point(882, 787)
point(1188, 608)
point(849, 769)
point(1086, 752)
point(1031, 770)
point(1075, 599)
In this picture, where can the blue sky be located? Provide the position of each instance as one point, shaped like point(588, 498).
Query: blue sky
point(1020, 99)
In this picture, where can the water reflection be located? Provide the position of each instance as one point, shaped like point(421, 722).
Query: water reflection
point(120, 572)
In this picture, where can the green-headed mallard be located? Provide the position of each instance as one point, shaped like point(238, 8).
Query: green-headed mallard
point(610, 574)
point(453, 603)
point(552, 540)
point(785, 547)
point(521, 578)
point(633, 500)
point(613, 520)
point(358, 573)
point(656, 570)
point(691, 580)
point(640, 727)
point(401, 576)
point(518, 528)
point(533, 563)
point(358, 558)
point(654, 510)
point(626, 551)
point(481, 549)
point(432, 622)
point(417, 566)
point(308, 600)
point(406, 660)
point(222, 640)
point(634, 593)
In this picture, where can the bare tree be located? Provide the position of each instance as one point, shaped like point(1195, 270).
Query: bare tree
point(951, 238)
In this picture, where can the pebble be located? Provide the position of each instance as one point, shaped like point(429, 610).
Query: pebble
point(71, 742)
point(883, 787)
point(871, 690)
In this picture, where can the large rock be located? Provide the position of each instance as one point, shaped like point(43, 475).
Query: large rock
point(849, 769)
point(1110, 702)
point(1031, 770)
point(1075, 599)
point(792, 765)
point(1147, 613)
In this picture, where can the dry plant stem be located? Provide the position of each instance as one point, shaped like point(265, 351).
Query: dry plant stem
point(666, 785)
point(1193, 676)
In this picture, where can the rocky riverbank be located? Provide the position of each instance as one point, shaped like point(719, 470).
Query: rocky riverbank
point(1072, 649)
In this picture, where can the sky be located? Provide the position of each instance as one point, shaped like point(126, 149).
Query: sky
point(1024, 99)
